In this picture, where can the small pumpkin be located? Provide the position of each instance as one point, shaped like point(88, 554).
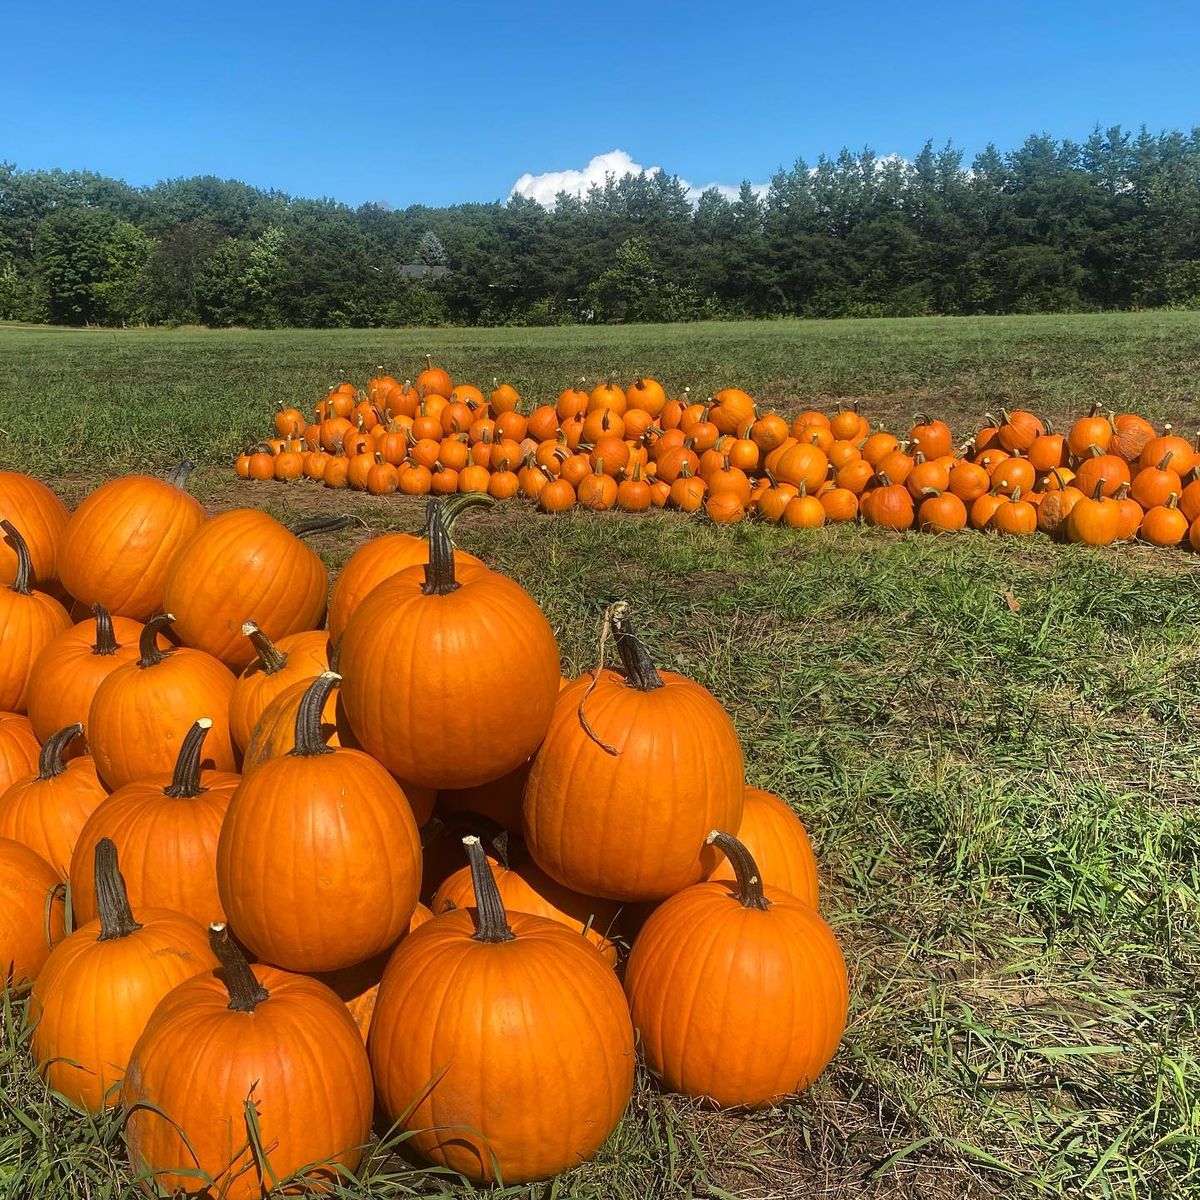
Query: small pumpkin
point(1165, 525)
point(41, 516)
point(299, 656)
point(1094, 520)
point(1019, 430)
point(932, 437)
point(941, 512)
point(1109, 471)
point(1093, 430)
point(19, 748)
point(32, 913)
point(1014, 517)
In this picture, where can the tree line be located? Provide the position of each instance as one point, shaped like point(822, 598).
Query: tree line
point(1112, 222)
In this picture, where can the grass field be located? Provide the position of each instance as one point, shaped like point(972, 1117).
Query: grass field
point(994, 746)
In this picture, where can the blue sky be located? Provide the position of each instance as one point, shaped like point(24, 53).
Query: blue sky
point(437, 103)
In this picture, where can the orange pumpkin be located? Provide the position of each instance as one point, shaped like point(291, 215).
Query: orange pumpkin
point(300, 656)
point(32, 913)
point(40, 516)
point(19, 748)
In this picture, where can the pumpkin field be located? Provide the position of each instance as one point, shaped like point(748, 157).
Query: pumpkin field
point(992, 743)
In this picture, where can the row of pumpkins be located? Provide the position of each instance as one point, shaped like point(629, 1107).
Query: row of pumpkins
point(1109, 478)
point(249, 798)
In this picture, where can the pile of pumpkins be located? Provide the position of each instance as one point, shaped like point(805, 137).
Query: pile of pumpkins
point(274, 860)
point(634, 449)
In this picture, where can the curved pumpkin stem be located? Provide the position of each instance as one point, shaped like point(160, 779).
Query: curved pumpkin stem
point(116, 917)
point(309, 740)
point(454, 506)
point(1098, 490)
point(177, 475)
point(185, 783)
point(24, 579)
point(149, 655)
point(272, 658)
point(309, 525)
point(491, 921)
point(246, 993)
point(106, 637)
point(1165, 461)
point(50, 761)
point(749, 882)
point(439, 571)
point(640, 671)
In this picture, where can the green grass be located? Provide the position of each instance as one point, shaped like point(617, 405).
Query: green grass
point(1003, 802)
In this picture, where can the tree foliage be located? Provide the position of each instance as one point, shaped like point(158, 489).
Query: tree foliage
point(1111, 222)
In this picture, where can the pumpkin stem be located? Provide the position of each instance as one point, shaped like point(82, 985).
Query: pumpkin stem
point(24, 579)
point(1166, 460)
point(491, 922)
point(320, 525)
point(185, 783)
point(106, 637)
point(439, 571)
point(749, 883)
point(116, 917)
point(640, 671)
point(177, 475)
point(246, 993)
point(1098, 490)
point(50, 761)
point(309, 741)
point(149, 655)
point(272, 658)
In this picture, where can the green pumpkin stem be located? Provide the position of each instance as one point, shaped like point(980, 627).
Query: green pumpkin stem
point(491, 922)
point(640, 671)
point(185, 782)
point(116, 917)
point(320, 525)
point(50, 761)
point(1165, 462)
point(439, 571)
point(23, 581)
point(106, 637)
point(309, 739)
point(246, 993)
point(149, 655)
point(749, 882)
point(177, 476)
point(272, 658)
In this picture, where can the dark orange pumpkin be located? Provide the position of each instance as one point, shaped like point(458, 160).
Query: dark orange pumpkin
point(297, 657)
point(32, 913)
point(19, 749)
point(40, 516)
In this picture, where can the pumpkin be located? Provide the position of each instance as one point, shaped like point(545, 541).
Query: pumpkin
point(499, 800)
point(120, 542)
point(1131, 433)
point(47, 811)
point(557, 496)
point(933, 438)
point(802, 464)
point(889, 506)
point(433, 381)
point(1094, 520)
point(1019, 430)
point(1183, 453)
point(636, 767)
point(1165, 525)
point(524, 887)
point(41, 516)
point(984, 508)
point(779, 843)
point(633, 493)
point(19, 748)
point(941, 512)
point(772, 980)
point(1014, 517)
point(165, 828)
point(96, 991)
point(1093, 430)
point(30, 620)
point(246, 1076)
point(607, 395)
point(420, 668)
point(1056, 507)
point(349, 881)
point(1106, 471)
point(840, 504)
point(142, 711)
point(70, 668)
point(32, 913)
point(1189, 500)
point(925, 475)
point(804, 512)
point(300, 656)
point(245, 566)
point(724, 510)
point(1014, 474)
point(597, 491)
point(1152, 485)
point(564, 1019)
point(731, 409)
point(1129, 514)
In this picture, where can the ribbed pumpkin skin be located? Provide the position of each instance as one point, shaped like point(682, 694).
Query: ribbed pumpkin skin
point(631, 826)
point(542, 1013)
point(372, 563)
point(244, 566)
point(93, 998)
point(777, 839)
point(40, 516)
point(31, 922)
point(29, 623)
point(274, 732)
point(68, 671)
point(735, 1004)
point(426, 692)
point(120, 541)
point(307, 657)
point(528, 889)
point(298, 1056)
point(140, 715)
point(167, 844)
point(48, 815)
point(18, 748)
point(500, 799)
point(348, 883)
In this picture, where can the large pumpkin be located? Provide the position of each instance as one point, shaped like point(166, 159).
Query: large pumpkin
point(19, 748)
point(32, 913)
point(319, 860)
point(246, 1076)
point(165, 828)
point(635, 770)
point(48, 810)
point(68, 671)
point(299, 657)
point(449, 682)
point(29, 619)
point(98, 988)
point(533, 1002)
point(41, 517)
point(120, 542)
point(245, 566)
point(738, 991)
point(141, 713)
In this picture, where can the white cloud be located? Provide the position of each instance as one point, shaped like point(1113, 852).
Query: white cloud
point(545, 187)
